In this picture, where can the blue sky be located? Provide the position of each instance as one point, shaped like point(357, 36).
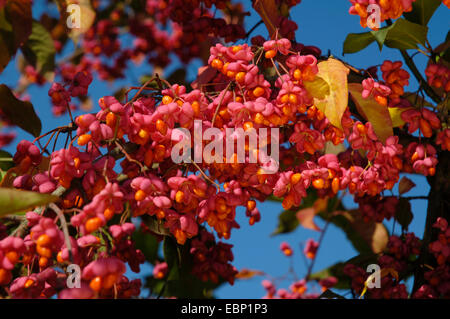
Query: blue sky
point(325, 24)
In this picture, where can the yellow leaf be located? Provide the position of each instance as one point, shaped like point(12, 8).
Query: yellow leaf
point(318, 88)
point(373, 112)
point(87, 18)
point(332, 98)
point(14, 200)
point(396, 116)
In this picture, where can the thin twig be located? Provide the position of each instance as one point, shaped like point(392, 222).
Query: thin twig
point(204, 175)
point(276, 69)
point(322, 235)
point(141, 89)
point(311, 265)
point(48, 142)
point(220, 103)
point(70, 113)
point(253, 28)
point(63, 221)
point(416, 197)
point(128, 156)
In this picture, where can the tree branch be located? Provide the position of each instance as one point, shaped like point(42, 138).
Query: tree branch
point(412, 66)
point(422, 82)
point(438, 206)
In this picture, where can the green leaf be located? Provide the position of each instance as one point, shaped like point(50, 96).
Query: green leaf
point(14, 200)
point(380, 36)
point(2, 174)
point(366, 237)
point(20, 113)
point(148, 244)
point(287, 222)
point(373, 112)
point(422, 11)
point(157, 226)
point(185, 284)
point(335, 270)
point(356, 42)
point(190, 286)
point(405, 35)
point(39, 50)
point(171, 256)
point(403, 213)
point(6, 161)
point(144, 78)
point(273, 198)
point(155, 286)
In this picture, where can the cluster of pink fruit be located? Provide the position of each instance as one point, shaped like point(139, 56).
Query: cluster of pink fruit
point(119, 166)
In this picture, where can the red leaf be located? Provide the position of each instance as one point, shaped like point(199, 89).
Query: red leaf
point(19, 14)
point(18, 112)
point(306, 218)
point(268, 10)
point(405, 185)
point(205, 75)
